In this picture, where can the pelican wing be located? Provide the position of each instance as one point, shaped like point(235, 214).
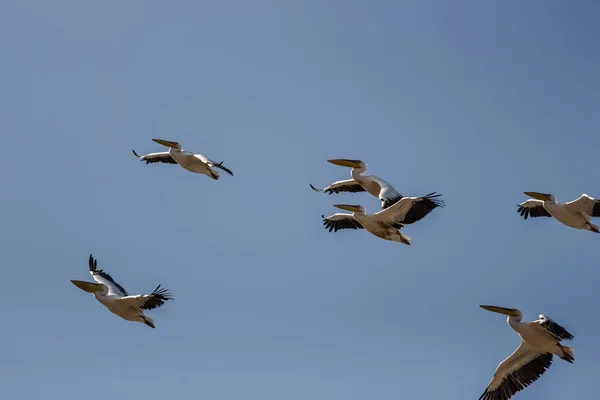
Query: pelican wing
point(585, 205)
point(409, 210)
point(519, 370)
point(149, 301)
point(213, 164)
point(105, 279)
point(533, 208)
point(387, 194)
point(339, 221)
point(554, 329)
point(348, 185)
point(164, 157)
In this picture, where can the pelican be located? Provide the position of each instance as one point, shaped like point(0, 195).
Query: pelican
point(360, 183)
point(387, 223)
point(192, 162)
point(576, 213)
point(115, 298)
point(540, 340)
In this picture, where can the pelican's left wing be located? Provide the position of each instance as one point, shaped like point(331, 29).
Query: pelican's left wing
point(409, 210)
point(105, 279)
point(339, 221)
point(553, 328)
point(163, 157)
point(533, 208)
point(519, 370)
point(213, 164)
point(348, 185)
point(585, 205)
point(150, 301)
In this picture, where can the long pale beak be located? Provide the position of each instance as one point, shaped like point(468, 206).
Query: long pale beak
point(348, 207)
point(88, 286)
point(538, 196)
point(346, 163)
point(501, 310)
point(167, 143)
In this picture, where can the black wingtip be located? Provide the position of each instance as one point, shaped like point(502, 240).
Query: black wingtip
point(317, 190)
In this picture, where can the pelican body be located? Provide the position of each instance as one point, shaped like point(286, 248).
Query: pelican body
point(575, 214)
point(196, 163)
point(115, 298)
point(360, 183)
point(387, 223)
point(540, 340)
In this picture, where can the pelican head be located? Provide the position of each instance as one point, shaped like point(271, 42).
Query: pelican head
point(349, 207)
point(541, 196)
point(511, 312)
point(168, 143)
point(348, 163)
point(88, 286)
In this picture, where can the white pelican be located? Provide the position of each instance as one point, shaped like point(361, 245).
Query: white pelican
point(387, 223)
point(192, 162)
point(576, 213)
point(115, 298)
point(539, 341)
point(361, 183)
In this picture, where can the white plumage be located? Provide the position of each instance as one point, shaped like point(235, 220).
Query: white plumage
point(361, 183)
point(540, 340)
point(114, 297)
point(575, 214)
point(196, 163)
point(387, 223)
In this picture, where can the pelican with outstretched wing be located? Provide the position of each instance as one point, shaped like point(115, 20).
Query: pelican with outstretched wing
point(387, 223)
point(540, 340)
point(192, 162)
point(575, 214)
point(115, 298)
point(362, 183)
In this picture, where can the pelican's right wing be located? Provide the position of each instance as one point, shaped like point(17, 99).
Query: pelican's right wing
point(533, 208)
point(105, 279)
point(585, 205)
point(213, 164)
point(164, 157)
point(553, 328)
point(409, 210)
point(349, 185)
point(519, 370)
point(339, 221)
point(149, 301)
point(387, 194)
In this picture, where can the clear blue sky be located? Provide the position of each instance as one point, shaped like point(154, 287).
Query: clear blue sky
point(477, 100)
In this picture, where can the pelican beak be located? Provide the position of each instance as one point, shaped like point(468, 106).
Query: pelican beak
point(501, 310)
point(348, 207)
point(346, 163)
point(538, 196)
point(88, 286)
point(167, 143)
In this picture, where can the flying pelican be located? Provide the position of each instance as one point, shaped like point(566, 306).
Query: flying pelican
point(387, 223)
point(361, 183)
point(540, 339)
point(192, 162)
point(576, 213)
point(115, 298)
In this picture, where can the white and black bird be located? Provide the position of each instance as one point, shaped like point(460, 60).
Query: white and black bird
point(197, 163)
point(115, 298)
point(575, 214)
point(362, 183)
point(386, 223)
point(540, 341)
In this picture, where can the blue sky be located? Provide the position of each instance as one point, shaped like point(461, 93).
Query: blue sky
point(477, 100)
